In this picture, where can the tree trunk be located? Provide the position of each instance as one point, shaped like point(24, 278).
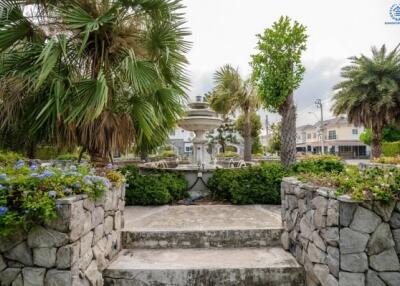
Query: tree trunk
point(376, 143)
point(247, 135)
point(288, 133)
point(98, 159)
point(144, 156)
point(31, 152)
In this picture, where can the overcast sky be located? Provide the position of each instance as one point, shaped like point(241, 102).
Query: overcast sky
point(223, 31)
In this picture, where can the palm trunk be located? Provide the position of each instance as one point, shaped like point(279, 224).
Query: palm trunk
point(98, 159)
point(288, 134)
point(376, 143)
point(247, 135)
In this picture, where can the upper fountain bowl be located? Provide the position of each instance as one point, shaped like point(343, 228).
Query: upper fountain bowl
point(199, 117)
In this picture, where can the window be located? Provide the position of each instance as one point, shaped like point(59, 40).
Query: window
point(314, 135)
point(308, 135)
point(332, 134)
point(354, 131)
point(188, 149)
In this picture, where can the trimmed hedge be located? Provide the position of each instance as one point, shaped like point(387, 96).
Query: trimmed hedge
point(248, 185)
point(318, 164)
point(157, 188)
point(391, 149)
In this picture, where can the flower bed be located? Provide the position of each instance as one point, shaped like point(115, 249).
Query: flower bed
point(59, 225)
point(28, 193)
point(338, 240)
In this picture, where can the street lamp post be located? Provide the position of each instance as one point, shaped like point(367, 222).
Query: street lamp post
point(318, 104)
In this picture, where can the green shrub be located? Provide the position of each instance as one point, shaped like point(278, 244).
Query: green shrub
point(249, 185)
point(157, 188)
point(167, 154)
point(228, 154)
point(391, 149)
point(318, 164)
point(8, 157)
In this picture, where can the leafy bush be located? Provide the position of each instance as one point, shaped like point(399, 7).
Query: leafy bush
point(28, 193)
point(157, 188)
point(8, 157)
point(387, 160)
point(249, 185)
point(376, 183)
point(228, 154)
point(167, 154)
point(318, 164)
point(391, 149)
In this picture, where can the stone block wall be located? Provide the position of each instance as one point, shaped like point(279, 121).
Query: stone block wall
point(340, 241)
point(71, 250)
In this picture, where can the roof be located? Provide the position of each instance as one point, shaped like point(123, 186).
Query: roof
point(341, 120)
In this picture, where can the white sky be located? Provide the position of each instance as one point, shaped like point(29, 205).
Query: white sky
point(224, 32)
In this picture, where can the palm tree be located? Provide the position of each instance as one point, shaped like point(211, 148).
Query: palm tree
point(231, 93)
point(370, 92)
point(99, 74)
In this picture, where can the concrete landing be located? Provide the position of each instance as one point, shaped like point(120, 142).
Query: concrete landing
point(202, 227)
point(202, 217)
point(239, 266)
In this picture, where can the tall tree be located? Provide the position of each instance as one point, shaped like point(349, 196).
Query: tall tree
point(100, 74)
point(277, 72)
point(231, 93)
point(370, 92)
point(223, 135)
point(256, 127)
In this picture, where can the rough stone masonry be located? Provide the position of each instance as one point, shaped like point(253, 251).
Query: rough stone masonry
point(73, 249)
point(340, 241)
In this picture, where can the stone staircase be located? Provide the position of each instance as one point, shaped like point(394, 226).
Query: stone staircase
point(203, 245)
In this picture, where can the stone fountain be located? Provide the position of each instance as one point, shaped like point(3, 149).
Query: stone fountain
point(200, 120)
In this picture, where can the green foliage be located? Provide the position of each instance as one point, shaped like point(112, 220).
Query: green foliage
point(228, 154)
point(249, 185)
point(274, 144)
point(256, 125)
point(318, 164)
point(366, 137)
point(392, 160)
point(157, 188)
point(167, 154)
point(390, 133)
point(277, 68)
point(28, 193)
point(391, 148)
point(8, 157)
point(256, 146)
point(99, 74)
point(224, 135)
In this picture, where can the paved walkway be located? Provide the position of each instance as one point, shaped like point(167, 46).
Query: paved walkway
point(202, 217)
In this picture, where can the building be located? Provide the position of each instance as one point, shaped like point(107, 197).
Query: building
point(340, 138)
point(180, 141)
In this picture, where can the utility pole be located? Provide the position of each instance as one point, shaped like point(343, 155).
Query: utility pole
point(318, 104)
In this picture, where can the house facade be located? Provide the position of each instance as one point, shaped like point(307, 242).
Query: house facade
point(339, 137)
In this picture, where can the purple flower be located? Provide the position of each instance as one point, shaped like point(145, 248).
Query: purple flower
point(52, 194)
point(109, 166)
point(3, 210)
point(19, 164)
point(3, 176)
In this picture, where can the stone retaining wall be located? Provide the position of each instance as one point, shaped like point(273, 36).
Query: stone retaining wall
point(340, 241)
point(72, 250)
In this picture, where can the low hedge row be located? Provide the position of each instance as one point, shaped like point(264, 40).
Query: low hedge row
point(157, 188)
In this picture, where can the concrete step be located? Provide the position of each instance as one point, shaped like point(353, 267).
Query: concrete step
point(230, 238)
point(205, 267)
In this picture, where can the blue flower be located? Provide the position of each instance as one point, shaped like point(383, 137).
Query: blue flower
point(19, 164)
point(52, 194)
point(35, 175)
point(47, 173)
point(33, 167)
point(73, 168)
point(2, 187)
point(3, 176)
point(3, 210)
